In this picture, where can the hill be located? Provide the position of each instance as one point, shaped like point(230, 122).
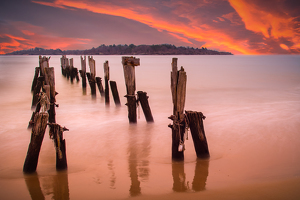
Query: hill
point(162, 49)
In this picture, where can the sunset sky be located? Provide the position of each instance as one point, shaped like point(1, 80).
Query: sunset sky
point(237, 26)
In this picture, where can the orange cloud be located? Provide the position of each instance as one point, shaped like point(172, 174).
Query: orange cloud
point(267, 22)
point(213, 38)
point(181, 38)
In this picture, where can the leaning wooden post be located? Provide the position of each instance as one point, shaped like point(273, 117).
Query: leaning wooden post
point(37, 89)
point(115, 93)
point(178, 88)
point(195, 122)
point(36, 75)
point(143, 99)
point(56, 133)
point(37, 136)
point(106, 78)
point(129, 74)
point(100, 86)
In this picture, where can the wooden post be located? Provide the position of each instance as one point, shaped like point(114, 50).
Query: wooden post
point(64, 63)
point(37, 89)
point(129, 74)
point(92, 84)
point(106, 78)
point(83, 71)
point(72, 75)
point(100, 86)
point(44, 63)
point(195, 122)
point(115, 93)
point(49, 73)
point(37, 136)
point(36, 75)
point(143, 99)
point(178, 88)
point(56, 133)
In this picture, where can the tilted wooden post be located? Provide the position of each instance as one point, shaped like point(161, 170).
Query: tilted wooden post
point(178, 88)
point(34, 81)
point(143, 99)
point(115, 93)
point(37, 89)
point(100, 86)
point(195, 122)
point(129, 64)
point(37, 136)
point(106, 78)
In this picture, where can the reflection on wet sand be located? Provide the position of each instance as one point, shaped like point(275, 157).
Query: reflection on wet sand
point(138, 153)
point(179, 177)
point(57, 186)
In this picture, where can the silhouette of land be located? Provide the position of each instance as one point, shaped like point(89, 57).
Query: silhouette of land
point(161, 49)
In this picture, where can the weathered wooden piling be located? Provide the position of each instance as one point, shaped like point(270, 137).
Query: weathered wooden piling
point(72, 74)
point(178, 88)
point(34, 81)
point(64, 64)
point(91, 76)
point(44, 63)
point(50, 80)
point(100, 86)
point(129, 64)
point(37, 89)
point(37, 136)
point(56, 133)
point(195, 122)
point(83, 71)
point(115, 93)
point(143, 99)
point(106, 78)
point(92, 84)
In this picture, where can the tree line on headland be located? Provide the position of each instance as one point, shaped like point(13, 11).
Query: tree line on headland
point(161, 49)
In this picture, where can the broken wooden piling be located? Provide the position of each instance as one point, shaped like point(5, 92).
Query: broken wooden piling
point(92, 84)
point(106, 78)
point(115, 93)
point(83, 71)
point(34, 81)
point(91, 76)
point(100, 86)
point(178, 88)
point(129, 64)
point(143, 99)
point(37, 136)
point(56, 133)
point(50, 80)
point(195, 122)
point(37, 89)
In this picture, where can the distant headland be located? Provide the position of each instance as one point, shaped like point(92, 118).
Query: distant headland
point(161, 49)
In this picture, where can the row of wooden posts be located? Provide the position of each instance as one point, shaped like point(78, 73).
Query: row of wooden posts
point(129, 64)
point(44, 103)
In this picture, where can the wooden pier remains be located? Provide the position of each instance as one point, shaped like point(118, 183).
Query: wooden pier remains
point(106, 79)
point(143, 99)
point(115, 93)
point(129, 64)
point(91, 76)
point(83, 71)
point(178, 88)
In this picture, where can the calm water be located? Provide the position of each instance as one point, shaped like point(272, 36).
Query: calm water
point(252, 105)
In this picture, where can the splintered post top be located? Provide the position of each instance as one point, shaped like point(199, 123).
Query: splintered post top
point(130, 61)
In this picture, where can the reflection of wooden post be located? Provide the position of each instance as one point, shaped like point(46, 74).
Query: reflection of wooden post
point(143, 99)
point(34, 187)
point(178, 88)
point(179, 184)
point(115, 93)
point(195, 122)
point(37, 136)
point(106, 78)
point(201, 174)
point(129, 73)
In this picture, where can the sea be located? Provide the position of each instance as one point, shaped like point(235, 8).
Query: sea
point(252, 126)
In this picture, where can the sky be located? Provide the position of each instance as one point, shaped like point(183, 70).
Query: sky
point(236, 26)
